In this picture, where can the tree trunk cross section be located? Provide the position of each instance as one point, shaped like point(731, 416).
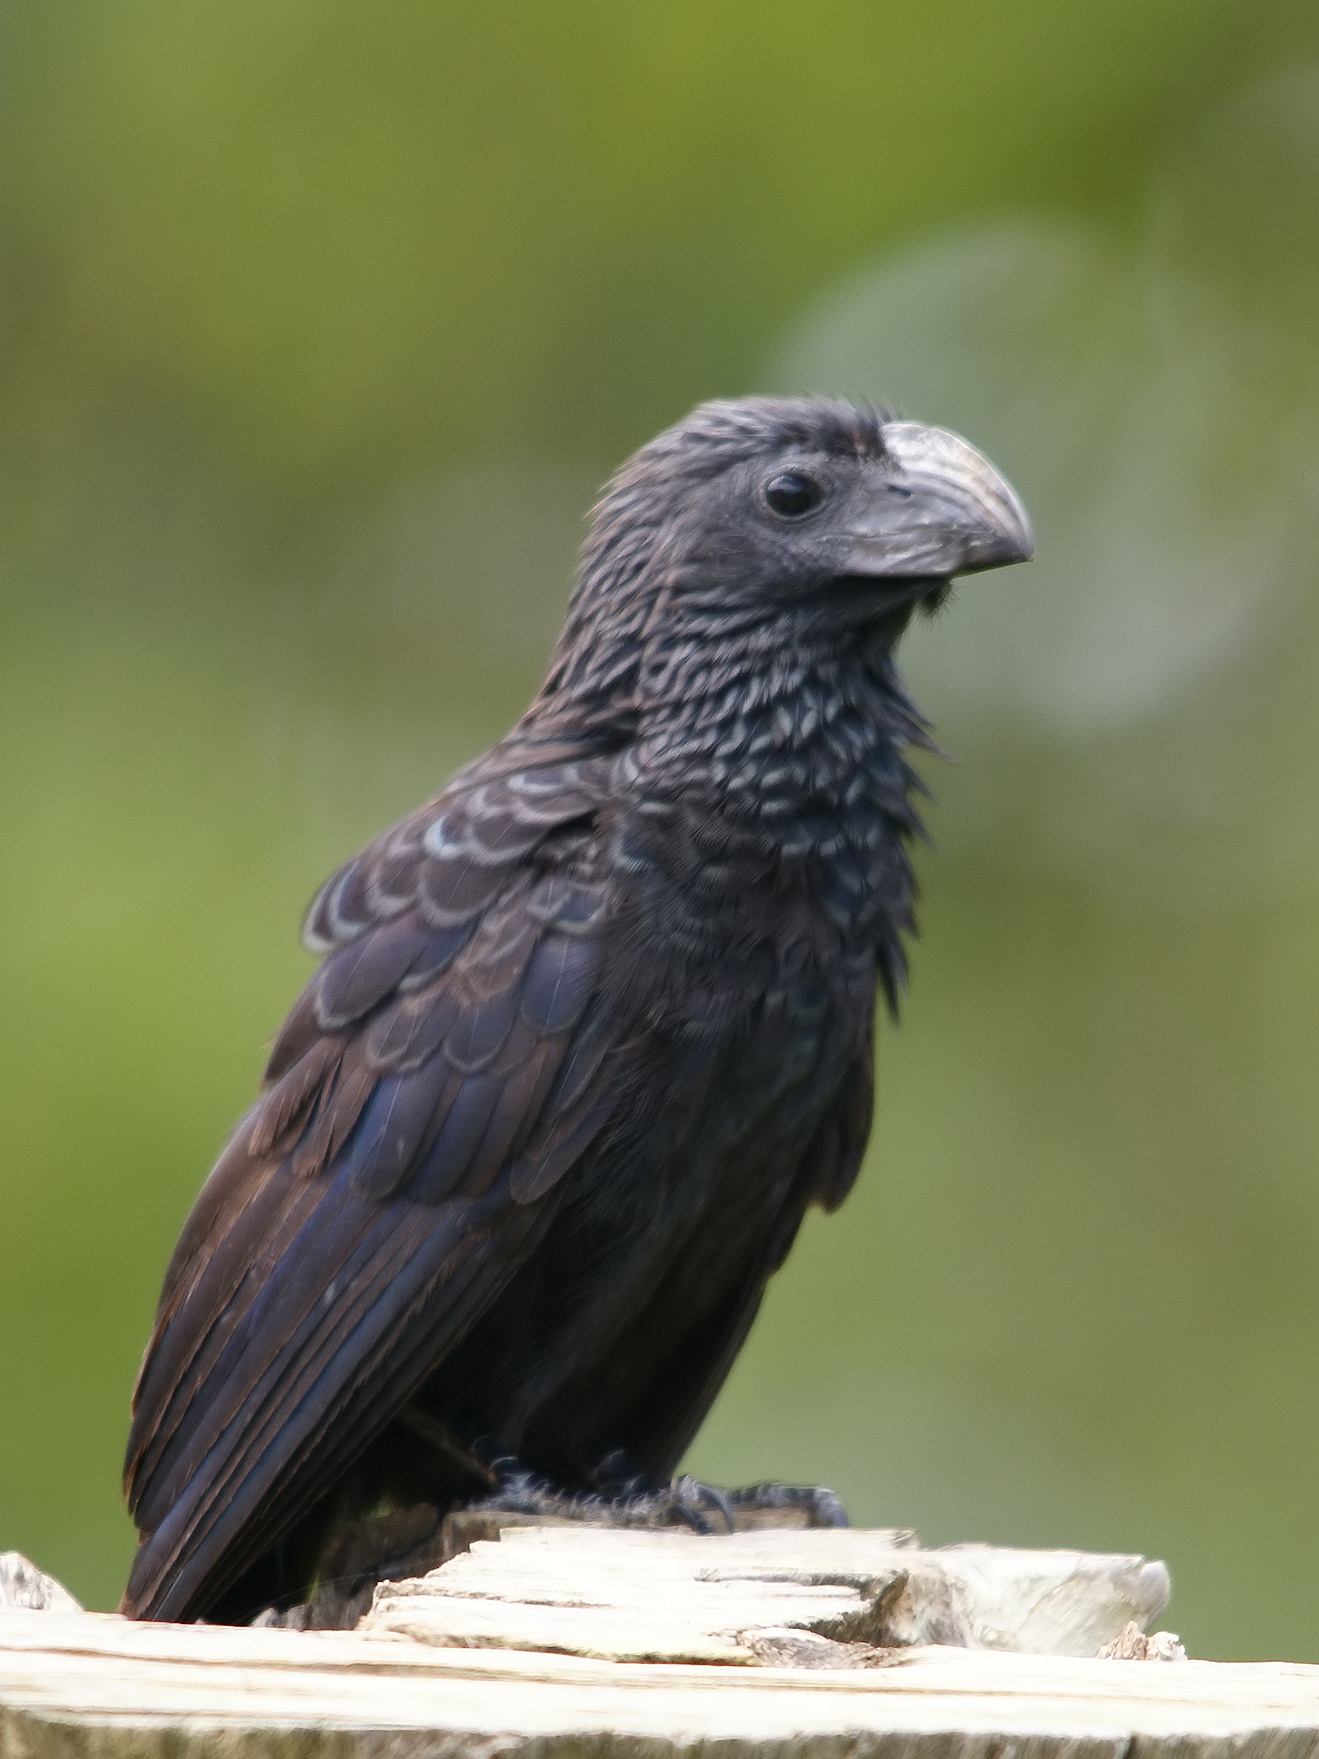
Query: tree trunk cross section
point(76, 1685)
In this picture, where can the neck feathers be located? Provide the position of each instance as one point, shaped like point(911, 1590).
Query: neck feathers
point(788, 735)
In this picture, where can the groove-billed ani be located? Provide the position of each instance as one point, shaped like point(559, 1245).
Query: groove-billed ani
point(592, 1030)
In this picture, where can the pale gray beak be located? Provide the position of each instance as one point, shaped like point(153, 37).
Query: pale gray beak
point(948, 511)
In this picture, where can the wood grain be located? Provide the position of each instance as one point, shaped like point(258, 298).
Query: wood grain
point(674, 1596)
point(77, 1685)
point(99, 1687)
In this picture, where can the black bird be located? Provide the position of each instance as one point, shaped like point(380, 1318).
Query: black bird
point(592, 1030)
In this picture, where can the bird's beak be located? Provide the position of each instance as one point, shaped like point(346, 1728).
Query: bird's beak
point(948, 511)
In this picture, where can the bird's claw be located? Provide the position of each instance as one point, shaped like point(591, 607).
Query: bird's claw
point(821, 1504)
point(689, 1502)
point(633, 1503)
point(628, 1499)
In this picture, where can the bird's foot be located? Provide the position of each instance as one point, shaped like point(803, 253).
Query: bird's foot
point(682, 1502)
point(787, 1505)
point(627, 1498)
point(410, 1541)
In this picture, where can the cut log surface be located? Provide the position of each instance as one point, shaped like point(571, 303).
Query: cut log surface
point(91, 1684)
point(77, 1685)
point(633, 1596)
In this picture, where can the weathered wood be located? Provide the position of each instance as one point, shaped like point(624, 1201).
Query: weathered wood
point(344, 1593)
point(637, 1596)
point(91, 1686)
point(24, 1587)
point(77, 1685)
point(1133, 1644)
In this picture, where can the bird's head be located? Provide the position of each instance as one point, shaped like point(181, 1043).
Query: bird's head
point(801, 514)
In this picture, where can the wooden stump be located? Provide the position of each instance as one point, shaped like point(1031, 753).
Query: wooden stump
point(779, 1631)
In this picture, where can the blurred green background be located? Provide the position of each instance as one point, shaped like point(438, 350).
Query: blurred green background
point(322, 321)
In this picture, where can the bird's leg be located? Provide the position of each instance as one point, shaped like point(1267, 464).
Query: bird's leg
point(690, 1500)
point(480, 1458)
point(641, 1502)
point(625, 1496)
point(682, 1502)
point(620, 1480)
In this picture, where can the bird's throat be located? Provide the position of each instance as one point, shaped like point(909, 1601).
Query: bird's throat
point(810, 751)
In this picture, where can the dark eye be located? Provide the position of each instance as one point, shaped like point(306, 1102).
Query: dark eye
point(793, 494)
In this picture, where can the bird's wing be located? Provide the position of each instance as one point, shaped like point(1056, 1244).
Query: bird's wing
point(441, 1072)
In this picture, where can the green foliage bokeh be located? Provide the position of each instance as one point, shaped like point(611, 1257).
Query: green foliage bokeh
point(320, 322)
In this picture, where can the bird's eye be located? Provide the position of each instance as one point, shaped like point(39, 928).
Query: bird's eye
point(793, 494)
